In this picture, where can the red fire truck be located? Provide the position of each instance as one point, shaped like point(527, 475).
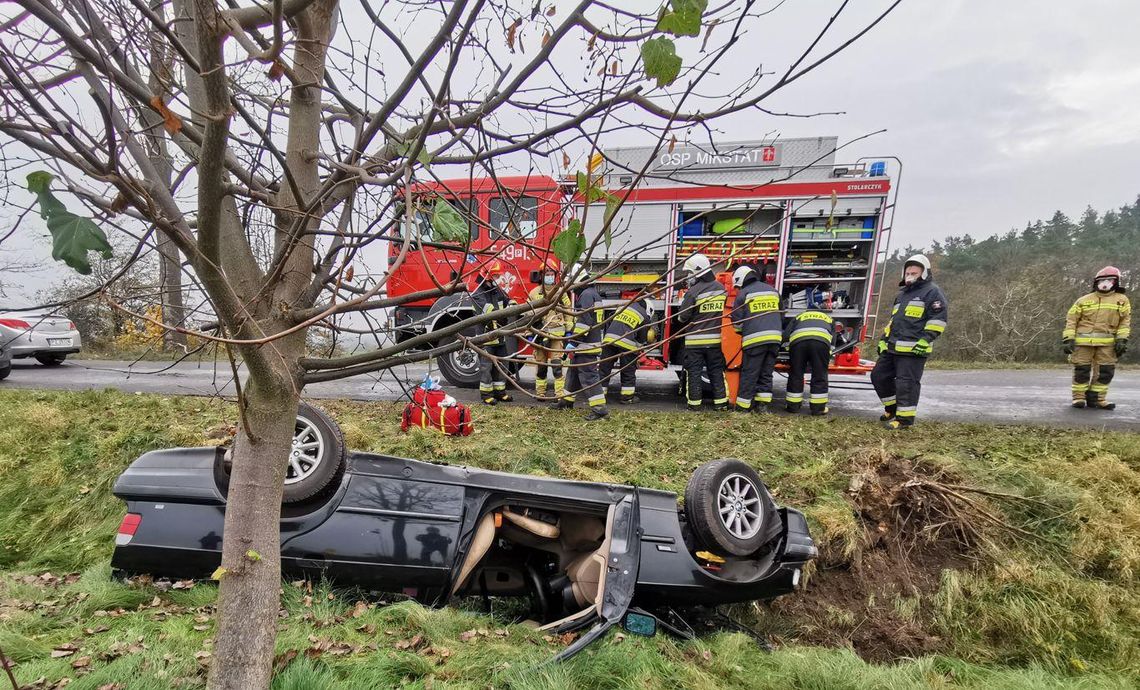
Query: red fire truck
point(816, 230)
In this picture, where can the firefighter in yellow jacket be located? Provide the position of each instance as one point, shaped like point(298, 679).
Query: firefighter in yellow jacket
point(547, 337)
point(1096, 334)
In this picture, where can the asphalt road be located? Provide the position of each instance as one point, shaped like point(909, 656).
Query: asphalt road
point(990, 396)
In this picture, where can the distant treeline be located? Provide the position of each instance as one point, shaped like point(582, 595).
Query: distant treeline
point(1009, 293)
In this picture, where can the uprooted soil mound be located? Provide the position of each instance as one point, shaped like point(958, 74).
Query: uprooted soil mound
point(871, 590)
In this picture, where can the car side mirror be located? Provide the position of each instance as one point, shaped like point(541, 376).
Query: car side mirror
point(640, 624)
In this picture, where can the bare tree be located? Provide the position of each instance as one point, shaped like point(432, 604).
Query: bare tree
point(276, 147)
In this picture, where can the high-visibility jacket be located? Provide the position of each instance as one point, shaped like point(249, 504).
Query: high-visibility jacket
point(756, 314)
point(588, 319)
point(489, 298)
point(810, 325)
point(920, 312)
point(1099, 318)
point(627, 327)
point(702, 308)
point(556, 321)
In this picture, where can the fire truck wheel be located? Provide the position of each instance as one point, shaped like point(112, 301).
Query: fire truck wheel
point(461, 367)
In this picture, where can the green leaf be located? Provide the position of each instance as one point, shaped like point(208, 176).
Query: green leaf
point(569, 244)
point(684, 19)
point(660, 60)
point(72, 236)
point(219, 573)
point(612, 203)
point(253, 555)
point(590, 191)
point(446, 223)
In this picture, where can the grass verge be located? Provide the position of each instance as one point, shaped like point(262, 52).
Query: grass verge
point(944, 607)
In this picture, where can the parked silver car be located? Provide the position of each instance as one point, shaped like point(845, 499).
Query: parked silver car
point(47, 337)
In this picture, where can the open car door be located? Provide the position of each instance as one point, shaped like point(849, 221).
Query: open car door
point(619, 577)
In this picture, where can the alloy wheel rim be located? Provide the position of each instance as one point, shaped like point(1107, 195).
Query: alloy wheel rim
point(306, 452)
point(738, 505)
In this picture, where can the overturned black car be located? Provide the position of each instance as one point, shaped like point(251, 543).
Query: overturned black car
point(584, 553)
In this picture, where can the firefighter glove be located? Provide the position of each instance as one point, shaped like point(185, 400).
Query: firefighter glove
point(1120, 346)
point(882, 346)
point(922, 347)
point(1068, 345)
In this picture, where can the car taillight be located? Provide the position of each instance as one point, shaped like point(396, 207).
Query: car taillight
point(127, 529)
point(15, 323)
point(71, 325)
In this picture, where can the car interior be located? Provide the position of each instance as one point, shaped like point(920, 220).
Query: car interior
point(556, 557)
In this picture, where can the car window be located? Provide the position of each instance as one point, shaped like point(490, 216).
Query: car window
point(514, 217)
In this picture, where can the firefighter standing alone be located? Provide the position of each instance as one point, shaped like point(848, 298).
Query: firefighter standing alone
point(1096, 334)
point(918, 317)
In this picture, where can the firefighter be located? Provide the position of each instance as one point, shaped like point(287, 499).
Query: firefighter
point(585, 347)
point(547, 338)
point(625, 335)
point(756, 317)
point(491, 296)
point(702, 309)
point(918, 317)
point(809, 336)
point(1095, 336)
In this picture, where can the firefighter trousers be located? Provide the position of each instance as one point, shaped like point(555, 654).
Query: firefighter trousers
point(627, 369)
point(898, 381)
point(808, 354)
point(547, 357)
point(583, 380)
point(756, 376)
point(705, 360)
point(491, 379)
point(1093, 369)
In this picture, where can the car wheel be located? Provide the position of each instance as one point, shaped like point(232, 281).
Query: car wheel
point(461, 367)
point(4, 371)
point(317, 456)
point(51, 360)
point(728, 507)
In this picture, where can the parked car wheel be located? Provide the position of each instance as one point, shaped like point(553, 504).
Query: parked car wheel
point(461, 367)
point(51, 360)
point(4, 371)
point(728, 507)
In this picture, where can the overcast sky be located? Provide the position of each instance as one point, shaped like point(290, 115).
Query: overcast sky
point(1002, 112)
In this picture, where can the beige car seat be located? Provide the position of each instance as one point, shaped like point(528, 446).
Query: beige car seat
point(480, 544)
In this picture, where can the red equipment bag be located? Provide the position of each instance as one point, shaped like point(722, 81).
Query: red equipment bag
point(425, 412)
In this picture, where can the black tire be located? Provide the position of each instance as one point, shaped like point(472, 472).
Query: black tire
point(4, 371)
point(737, 534)
point(460, 368)
point(51, 360)
point(314, 426)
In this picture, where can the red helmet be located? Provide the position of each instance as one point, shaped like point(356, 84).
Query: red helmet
point(550, 265)
point(492, 269)
point(1108, 272)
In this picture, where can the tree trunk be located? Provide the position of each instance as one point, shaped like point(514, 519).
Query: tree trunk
point(170, 282)
point(248, 594)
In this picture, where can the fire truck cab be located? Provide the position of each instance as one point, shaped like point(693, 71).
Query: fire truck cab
point(814, 229)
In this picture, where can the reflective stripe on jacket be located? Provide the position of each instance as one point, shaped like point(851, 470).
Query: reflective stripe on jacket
point(627, 327)
point(703, 308)
point(810, 325)
point(588, 317)
point(1099, 319)
point(489, 298)
point(558, 320)
point(756, 314)
point(920, 312)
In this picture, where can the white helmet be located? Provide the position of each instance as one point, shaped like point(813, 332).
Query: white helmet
point(576, 272)
point(740, 275)
point(695, 265)
point(920, 260)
